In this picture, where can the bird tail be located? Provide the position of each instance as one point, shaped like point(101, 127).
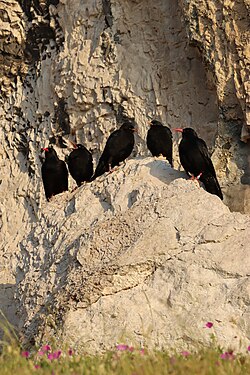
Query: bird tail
point(100, 169)
point(212, 185)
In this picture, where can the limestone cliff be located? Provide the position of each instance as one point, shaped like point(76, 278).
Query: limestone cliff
point(76, 68)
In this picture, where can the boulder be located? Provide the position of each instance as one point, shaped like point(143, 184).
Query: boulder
point(140, 256)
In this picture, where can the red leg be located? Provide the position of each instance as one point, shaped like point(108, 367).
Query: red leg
point(197, 178)
point(111, 170)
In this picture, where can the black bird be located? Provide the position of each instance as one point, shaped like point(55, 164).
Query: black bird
point(119, 146)
point(159, 141)
point(80, 164)
point(196, 161)
point(54, 174)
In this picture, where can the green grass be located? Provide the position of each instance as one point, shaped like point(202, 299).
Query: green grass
point(122, 362)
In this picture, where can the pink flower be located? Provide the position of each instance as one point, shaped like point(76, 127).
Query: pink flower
point(37, 366)
point(40, 353)
point(209, 324)
point(25, 354)
point(122, 347)
point(227, 355)
point(54, 355)
point(70, 352)
point(142, 351)
point(46, 348)
point(57, 354)
point(131, 349)
point(248, 348)
point(184, 353)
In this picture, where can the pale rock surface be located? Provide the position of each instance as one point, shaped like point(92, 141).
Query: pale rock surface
point(140, 256)
point(74, 68)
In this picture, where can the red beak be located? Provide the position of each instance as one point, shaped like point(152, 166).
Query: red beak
point(178, 130)
point(73, 144)
point(45, 149)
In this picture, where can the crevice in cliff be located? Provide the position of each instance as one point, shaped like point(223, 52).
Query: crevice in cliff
point(33, 8)
point(62, 118)
point(106, 6)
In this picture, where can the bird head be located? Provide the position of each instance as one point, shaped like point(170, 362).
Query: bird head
point(49, 152)
point(128, 125)
point(187, 132)
point(155, 122)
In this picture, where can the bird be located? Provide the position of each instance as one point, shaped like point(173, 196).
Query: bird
point(119, 146)
point(54, 174)
point(159, 140)
point(80, 164)
point(195, 159)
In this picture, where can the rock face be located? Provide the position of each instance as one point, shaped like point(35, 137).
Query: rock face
point(76, 68)
point(221, 31)
point(141, 256)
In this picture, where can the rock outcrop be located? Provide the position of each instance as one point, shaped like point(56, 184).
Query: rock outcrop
point(142, 256)
point(76, 68)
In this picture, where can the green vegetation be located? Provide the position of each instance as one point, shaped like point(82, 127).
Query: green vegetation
point(123, 360)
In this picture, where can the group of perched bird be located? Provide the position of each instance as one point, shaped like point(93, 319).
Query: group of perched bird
point(193, 153)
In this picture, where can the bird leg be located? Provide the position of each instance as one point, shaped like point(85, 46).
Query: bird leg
point(197, 178)
point(111, 170)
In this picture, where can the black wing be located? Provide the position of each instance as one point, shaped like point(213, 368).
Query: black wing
point(205, 154)
point(103, 163)
point(65, 174)
point(209, 177)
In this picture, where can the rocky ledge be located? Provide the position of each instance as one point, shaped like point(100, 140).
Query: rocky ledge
point(140, 256)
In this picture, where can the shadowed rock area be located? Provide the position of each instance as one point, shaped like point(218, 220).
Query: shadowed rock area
point(142, 255)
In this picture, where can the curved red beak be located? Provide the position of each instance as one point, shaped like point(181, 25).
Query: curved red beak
point(45, 149)
point(73, 144)
point(178, 130)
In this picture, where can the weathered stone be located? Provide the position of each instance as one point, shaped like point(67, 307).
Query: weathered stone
point(141, 255)
point(76, 68)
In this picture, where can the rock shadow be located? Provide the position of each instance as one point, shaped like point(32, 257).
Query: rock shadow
point(8, 316)
point(162, 170)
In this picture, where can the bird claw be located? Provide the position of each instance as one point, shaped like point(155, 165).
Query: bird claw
point(197, 178)
point(193, 178)
point(113, 170)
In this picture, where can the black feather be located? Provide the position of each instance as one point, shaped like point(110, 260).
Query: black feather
point(118, 147)
point(159, 141)
point(54, 174)
point(195, 159)
point(80, 164)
